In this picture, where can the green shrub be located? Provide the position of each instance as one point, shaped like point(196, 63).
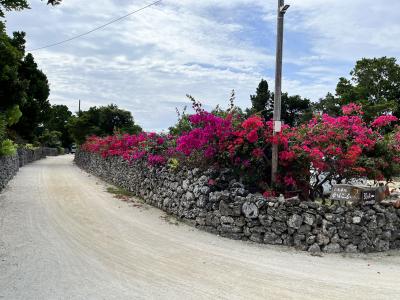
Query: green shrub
point(7, 147)
point(13, 115)
point(50, 138)
point(173, 163)
point(61, 150)
point(30, 147)
point(3, 126)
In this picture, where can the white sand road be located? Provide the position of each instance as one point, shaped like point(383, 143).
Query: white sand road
point(62, 236)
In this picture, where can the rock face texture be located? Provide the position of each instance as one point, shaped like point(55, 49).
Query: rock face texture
point(26, 156)
point(9, 165)
point(215, 202)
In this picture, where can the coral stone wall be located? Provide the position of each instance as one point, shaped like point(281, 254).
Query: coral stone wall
point(50, 151)
point(9, 165)
point(216, 202)
point(26, 156)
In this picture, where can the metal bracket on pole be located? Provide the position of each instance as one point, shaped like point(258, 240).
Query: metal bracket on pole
point(284, 8)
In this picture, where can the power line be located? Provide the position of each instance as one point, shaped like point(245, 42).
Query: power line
point(97, 28)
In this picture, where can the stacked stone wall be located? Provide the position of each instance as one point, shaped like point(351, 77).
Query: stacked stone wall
point(9, 165)
point(215, 202)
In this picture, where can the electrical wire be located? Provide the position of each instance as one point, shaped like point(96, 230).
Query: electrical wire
point(96, 28)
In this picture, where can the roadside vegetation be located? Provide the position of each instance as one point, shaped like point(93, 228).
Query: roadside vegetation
point(350, 134)
point(26, 115)
point(119, 192)
point(354, 134)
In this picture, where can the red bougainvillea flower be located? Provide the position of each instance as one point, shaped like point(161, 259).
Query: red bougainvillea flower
point(254, 122)
point(252, 136)
point(258, 153)
point(269, 194)
point(287, 156)
point(289, 181)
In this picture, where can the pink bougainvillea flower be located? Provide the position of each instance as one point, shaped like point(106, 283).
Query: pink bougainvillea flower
point(211, 182)
point(352, 108)
point(343, 146)
point(383, 121)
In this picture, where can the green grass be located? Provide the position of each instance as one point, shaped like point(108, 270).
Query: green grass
point(119, 191)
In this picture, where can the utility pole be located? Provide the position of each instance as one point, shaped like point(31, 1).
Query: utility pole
point(282, 8)
point(79, 109)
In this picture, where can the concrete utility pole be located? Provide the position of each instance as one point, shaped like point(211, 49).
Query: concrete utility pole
point(282, 8)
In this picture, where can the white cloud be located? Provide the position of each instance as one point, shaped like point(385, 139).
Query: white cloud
point(348, 30)
point(149, 61)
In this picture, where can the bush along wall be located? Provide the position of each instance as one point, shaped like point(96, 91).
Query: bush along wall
point(215, 202)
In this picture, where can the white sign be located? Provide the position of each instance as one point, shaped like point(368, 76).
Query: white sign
point(277, 126)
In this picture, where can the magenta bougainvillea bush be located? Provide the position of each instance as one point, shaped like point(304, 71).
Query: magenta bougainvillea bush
point(327, 148)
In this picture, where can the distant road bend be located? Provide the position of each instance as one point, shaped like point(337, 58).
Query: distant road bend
point(62, 236)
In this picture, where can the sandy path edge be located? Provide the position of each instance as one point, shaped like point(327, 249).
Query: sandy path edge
point(63, 237)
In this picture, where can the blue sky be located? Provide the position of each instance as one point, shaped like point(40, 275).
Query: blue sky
point(148, 63)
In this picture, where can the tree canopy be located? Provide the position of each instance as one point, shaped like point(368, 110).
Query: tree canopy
point(261, 102)
point(374, 83)
point(36, 106)
point(9, 5)
point(102, 121)
point(24, 90)
point(57, 120)
point(12, 86)
point(295, 109)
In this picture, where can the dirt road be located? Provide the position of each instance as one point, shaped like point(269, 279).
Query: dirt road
point(62, 236)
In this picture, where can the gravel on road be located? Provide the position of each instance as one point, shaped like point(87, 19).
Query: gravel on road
point(63, 236)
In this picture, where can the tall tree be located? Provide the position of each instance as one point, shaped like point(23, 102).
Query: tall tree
point(330, 105)
point(21, 83)
point(261, 102)
point(36, 106)
point(378, 79)
point(374, 83)
point(102, 121)
point(295, 109)
point(58, 117)
point(12, 87)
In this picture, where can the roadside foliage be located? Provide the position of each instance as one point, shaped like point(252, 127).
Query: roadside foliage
point(329, 148)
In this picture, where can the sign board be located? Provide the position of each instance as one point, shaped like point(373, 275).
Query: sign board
point(352, 193)
point(369, 196)
point(277, 126)
point(345, 192)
